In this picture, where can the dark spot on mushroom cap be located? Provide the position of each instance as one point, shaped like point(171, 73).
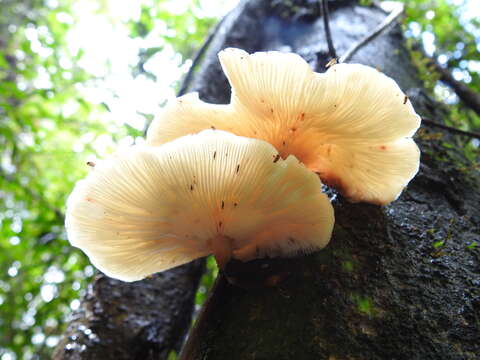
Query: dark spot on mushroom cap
point(329, 150)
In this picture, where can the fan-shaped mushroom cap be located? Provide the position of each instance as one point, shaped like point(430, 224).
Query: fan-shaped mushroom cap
point(352, 125)
point(152, 208)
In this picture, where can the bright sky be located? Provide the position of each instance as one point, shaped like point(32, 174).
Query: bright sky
point(106, 41)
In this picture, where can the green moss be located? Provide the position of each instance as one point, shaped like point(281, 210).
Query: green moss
point(364, 305)
point(472, 246)
point(172, 355)
point(348, 266)
point(366, 2)
point(426, 70)
point(438, 244)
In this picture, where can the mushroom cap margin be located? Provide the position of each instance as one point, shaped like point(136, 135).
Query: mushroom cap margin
point(152, 208)
point(326, 120)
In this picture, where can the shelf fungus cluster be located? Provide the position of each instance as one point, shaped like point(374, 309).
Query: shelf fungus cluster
point(243, 181)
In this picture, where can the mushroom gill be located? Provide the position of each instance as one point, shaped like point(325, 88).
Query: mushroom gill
point(152, 208)
point(350, 125)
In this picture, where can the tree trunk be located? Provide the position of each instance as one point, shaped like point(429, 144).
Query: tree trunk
point(396, 282)
point(142, 320)
point(399, 282)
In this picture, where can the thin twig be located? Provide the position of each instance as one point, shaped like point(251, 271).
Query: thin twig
point(430, 122)
point(328, 34)
point(378, 30)
point(460, 89)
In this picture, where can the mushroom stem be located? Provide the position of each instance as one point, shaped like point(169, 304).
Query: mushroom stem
point(222, 249)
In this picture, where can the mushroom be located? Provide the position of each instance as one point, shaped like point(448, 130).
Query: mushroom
point(352, 125)
point(152, 208)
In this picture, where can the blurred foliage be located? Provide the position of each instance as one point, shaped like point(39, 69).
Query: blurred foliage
point(50, 127)
point(47, 131)
point(39, 275)
point(449, 32)
point(452, 33)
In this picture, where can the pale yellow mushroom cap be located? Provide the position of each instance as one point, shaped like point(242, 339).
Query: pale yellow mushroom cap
point(352, 125)
point(152, 208)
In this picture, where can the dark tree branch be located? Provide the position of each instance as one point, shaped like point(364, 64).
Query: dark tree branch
point(328, 34)
point(468, 96)
point(198, 56)
point(433, 123)
point(377, 31)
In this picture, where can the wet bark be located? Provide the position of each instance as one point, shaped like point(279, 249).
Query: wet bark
point(132, 321)
point(396, 282)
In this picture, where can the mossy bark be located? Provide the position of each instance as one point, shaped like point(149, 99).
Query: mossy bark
point(143, 320)
point(396, 282)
